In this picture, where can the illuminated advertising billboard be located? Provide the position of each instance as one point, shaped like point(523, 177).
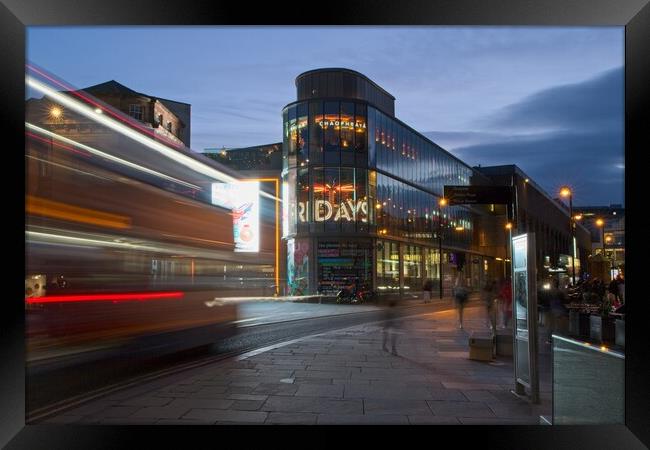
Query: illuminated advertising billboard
point(243, 199)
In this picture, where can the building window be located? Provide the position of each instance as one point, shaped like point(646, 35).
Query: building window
point(135, 111)
point(160, 119)
point(169, 127)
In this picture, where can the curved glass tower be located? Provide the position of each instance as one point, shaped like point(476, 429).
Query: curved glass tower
point(361, 189)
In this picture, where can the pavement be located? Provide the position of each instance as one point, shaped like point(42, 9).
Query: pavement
point(340, 377)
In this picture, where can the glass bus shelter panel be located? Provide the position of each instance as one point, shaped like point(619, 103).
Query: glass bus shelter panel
point(588, 384)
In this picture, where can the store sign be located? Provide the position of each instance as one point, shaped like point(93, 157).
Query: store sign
point(343, 122)
point(326, 211)
point(476, 195)
point(243, 198)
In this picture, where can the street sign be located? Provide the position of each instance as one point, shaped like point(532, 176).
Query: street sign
point(475, 195)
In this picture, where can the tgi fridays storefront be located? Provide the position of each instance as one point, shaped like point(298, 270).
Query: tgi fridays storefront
point(324, 265)
point(360, 193)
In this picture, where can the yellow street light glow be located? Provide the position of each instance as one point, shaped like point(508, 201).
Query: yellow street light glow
point(526, 180)
point(578, 217)
point(442, 201)
point(565, 192)
point(56, 112)
point(378, 206)
point(509, 226)
point(460, 228)
point(600, 222)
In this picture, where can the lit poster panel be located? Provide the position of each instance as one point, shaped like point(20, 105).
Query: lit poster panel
point(243, 198)
point(525, 314)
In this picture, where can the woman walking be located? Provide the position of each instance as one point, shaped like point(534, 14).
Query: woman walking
point(460, 296)
point(488, 294)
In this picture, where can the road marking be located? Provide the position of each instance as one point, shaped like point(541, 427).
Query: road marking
point(250, 319)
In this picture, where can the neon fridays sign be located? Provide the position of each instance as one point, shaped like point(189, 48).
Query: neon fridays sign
point(243, 198)
point(326, 211)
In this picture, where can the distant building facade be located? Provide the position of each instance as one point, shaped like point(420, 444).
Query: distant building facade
point(548, 218)
point(613, 217)
point(165, 118)
point(261, 161)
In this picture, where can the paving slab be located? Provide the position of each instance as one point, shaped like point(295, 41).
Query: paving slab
point(278, 418)
point(340, 377)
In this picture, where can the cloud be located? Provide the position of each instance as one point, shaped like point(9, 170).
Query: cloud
point(455, 139)
point(590, 162)
point(569, 134)
point(595, 104)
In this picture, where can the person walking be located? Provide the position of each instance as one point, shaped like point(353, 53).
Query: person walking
point(612, 291)
point(426, 291)
point(621, 288)
point(461, 294)
point(488, 295)
point(505, 296)
point(556, 301)
point(390, 326)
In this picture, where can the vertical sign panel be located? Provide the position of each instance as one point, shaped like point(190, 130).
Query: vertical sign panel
point(525, 314)
point(243, 198)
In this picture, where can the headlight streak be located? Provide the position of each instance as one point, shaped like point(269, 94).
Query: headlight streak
point(81, 172)
point(107, 156)
point(55, 236)
point(170, 153)
point(128, 132)
point(64, 211)
point(99, 109)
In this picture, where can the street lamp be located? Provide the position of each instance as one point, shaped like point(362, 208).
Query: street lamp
point(442, 202)
point(601, 223)
point(566, 192)
point(508, 255)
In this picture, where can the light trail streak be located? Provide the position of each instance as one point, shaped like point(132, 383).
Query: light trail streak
point(137, 296)
point(108, 157)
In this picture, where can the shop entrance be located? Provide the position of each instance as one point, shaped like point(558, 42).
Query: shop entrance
point(341, 263)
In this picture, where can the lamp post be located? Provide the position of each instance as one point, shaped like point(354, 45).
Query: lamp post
point(566, 192)
point(601, 223)
point(508, 239)
point(612, 259)
point(442, 202)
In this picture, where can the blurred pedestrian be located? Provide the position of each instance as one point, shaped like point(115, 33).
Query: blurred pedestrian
point(461, 294)
point(556, 300)
point(391, 325)
point(488, 296)
point(612, 291)
point(426, 291)
point(505, 296)
point(621, 287)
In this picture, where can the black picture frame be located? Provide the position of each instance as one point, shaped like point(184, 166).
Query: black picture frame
point(15, 15)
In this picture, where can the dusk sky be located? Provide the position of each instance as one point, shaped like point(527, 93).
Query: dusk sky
point(548, 99)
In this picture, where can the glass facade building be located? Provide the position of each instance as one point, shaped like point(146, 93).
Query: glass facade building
point(361, 191)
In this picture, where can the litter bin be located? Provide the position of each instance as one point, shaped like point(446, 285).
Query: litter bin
point(504, 342)
point(481, 347)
